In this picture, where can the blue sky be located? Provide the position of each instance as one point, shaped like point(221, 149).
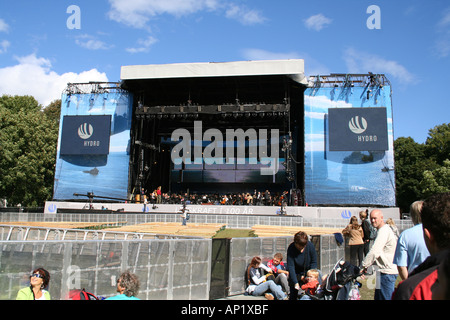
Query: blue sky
point(40, 54)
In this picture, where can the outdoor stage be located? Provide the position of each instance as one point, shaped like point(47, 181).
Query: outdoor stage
point(344, 213)
point(229, 129)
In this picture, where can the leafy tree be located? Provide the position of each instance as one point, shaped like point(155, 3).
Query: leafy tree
point(53, 110)
point(422, 169)
point(18, 103)
point(438, 143)
point(409, 156)
point(28, 140)
point(436, 181)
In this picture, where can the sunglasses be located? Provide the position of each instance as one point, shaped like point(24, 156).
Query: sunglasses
point(37, 275)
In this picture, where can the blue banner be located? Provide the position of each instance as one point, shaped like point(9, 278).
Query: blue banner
point(339, 169)
point(93, 145)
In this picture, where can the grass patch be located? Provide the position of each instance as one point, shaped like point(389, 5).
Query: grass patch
point(367, 289)
point(234, 233)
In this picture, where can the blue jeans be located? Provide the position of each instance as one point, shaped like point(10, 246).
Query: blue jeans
point(269, 285)
point(387, 286)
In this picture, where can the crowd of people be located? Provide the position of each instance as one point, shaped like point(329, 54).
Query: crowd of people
point(257, 198)
point(127, 288)
point(420, 255)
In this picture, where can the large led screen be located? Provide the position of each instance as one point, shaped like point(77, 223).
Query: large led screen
point(349, 146)
point(93, 145)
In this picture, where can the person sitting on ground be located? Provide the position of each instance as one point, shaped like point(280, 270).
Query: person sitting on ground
point(280, 272)
point(258, 284)
point(39, 280)
point(127, 287)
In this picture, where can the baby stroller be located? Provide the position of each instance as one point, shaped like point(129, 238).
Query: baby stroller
point(340, 284)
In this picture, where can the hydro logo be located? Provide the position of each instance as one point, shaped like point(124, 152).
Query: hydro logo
point(346, 214)
point(85, 135)
point(85, 131)
point(357, 129)
point(357, 125)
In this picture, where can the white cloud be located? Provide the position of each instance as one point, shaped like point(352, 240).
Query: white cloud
point(260, 54)
point(321, 104)
point(244, 15)
point(91, 42)
point(442, 44)
point(144, 45)
point(363, 62)
point(317, 22)
point(137, 13)
point(34, 76)
point(445, 20)
point(4, 44)
point(4, 27)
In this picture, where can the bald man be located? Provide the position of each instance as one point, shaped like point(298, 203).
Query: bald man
point(382, 254)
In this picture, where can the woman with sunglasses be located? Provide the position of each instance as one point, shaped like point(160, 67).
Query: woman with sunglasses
point(39, 280)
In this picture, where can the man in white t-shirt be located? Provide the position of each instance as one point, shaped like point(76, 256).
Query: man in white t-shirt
point(382, 255)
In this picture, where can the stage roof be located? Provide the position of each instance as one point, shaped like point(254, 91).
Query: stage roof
point(294, 68)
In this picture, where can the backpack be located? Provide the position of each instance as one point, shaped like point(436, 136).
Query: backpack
point(372, 229)
point(373, 232)
point(78, 294)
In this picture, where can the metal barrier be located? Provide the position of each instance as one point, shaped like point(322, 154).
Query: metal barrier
point(32, 233)
point(244, 249)
point(232, 221)
point(167, 269)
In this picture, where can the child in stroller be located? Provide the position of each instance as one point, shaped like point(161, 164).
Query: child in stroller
point(340, 284)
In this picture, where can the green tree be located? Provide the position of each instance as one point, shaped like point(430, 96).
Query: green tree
point(18, 103)
point(28, 140)
point(410, 162)
point(438, 143)
point(437, 180)
point(53, 110)
point(422, 169)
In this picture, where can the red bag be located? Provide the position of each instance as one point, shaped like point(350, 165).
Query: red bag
point(77, 294)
